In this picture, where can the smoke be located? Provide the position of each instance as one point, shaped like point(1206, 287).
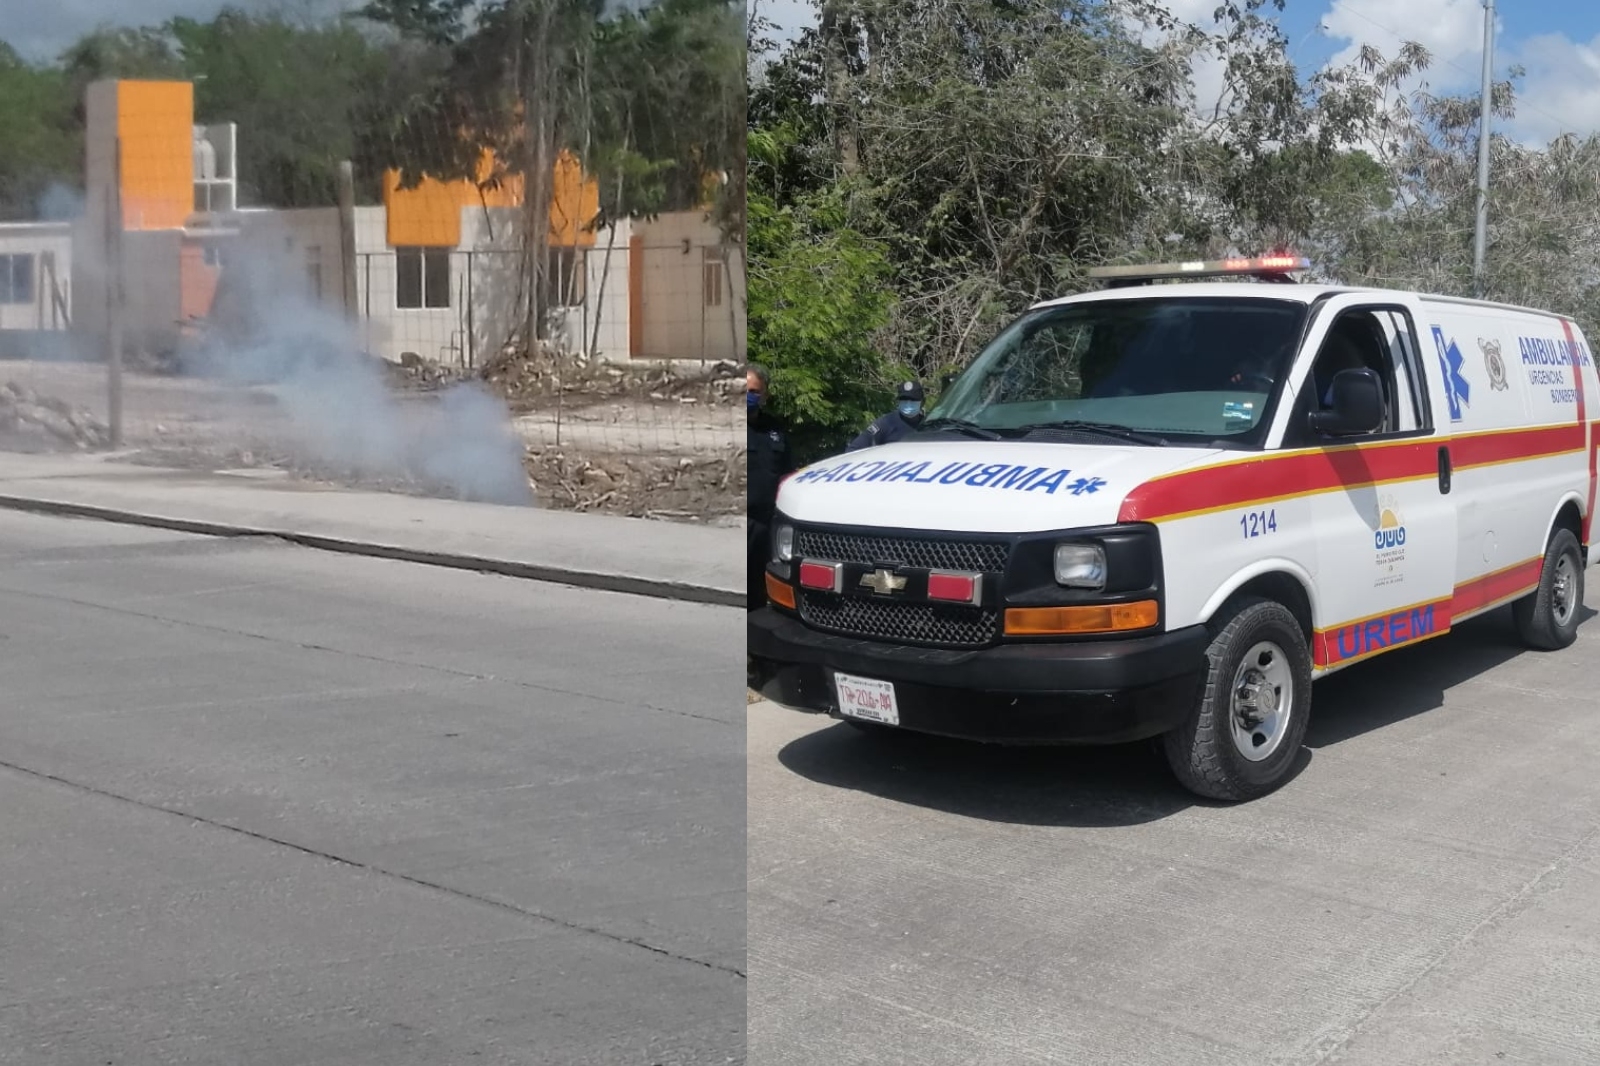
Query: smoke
point(266, 328)
point(59, 203)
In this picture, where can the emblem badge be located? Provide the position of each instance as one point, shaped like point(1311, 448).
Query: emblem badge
point(1495, 364)
point(883, 582)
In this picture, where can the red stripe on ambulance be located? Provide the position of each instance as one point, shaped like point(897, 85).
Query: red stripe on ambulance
point(1584, 426)
point(1363, 637)
point(1277, 477)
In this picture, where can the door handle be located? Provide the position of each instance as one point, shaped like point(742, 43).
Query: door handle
point(1444, 470)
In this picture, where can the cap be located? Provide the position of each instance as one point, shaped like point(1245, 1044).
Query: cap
point(908, 390)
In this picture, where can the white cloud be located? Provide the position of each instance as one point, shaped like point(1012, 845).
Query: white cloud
point(1207, 74)
point(1451, 31)
point(1560, 92)
point(789, 16)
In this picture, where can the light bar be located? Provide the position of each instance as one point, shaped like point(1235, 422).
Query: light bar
point(1267, 267)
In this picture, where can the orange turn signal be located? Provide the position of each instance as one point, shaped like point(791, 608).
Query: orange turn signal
point(1059, 621)
point(779, 593)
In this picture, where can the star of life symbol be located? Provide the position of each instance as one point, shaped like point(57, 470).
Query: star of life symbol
point(1457, 390)
point(1494, 364)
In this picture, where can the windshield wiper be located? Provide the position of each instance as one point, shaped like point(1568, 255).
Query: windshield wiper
point(1104, 428)
point(961, 425)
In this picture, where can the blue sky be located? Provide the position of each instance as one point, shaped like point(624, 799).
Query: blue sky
point(40, 30)
point(1557, 41)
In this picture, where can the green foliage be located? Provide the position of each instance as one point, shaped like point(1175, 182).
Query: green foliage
point(37, 128)
point(650, 99)
point(298, 93)
point(985, 154)
point(818, 293)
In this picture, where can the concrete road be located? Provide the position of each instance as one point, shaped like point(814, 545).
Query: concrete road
point(268, 805)
point(1422, 893)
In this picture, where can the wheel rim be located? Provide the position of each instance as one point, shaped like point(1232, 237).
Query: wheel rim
point(1564, 591)
point(1263, 700)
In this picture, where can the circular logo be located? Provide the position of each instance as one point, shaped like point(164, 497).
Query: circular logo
point(1494, 364)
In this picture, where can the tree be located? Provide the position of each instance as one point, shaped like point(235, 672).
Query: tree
point(299, 94)
point(975, 158)
point(649, 101)
point(37, 127)
point(818, 294)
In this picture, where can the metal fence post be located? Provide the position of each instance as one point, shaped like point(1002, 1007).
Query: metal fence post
point(115, 299)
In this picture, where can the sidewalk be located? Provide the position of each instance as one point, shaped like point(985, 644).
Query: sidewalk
point(664, 559)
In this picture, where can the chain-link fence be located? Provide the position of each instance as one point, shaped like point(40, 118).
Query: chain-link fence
point(429, 333)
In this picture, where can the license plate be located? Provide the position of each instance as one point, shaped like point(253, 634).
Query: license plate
point(868, 700)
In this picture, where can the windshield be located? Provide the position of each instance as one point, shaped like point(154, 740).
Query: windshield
point(1162, 368)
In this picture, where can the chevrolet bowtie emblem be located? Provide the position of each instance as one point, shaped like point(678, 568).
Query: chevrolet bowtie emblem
point(883, 582)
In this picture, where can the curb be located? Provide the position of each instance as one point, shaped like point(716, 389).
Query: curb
point(587, 579)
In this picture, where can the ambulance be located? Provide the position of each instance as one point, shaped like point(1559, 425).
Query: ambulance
point(1163, 508)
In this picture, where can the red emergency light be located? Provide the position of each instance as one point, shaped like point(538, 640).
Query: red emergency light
point(829, 577)
point(953, 587)
point(1262, 267)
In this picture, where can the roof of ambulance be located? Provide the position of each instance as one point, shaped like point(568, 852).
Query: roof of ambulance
point(1231, 289)
point(1256, 290)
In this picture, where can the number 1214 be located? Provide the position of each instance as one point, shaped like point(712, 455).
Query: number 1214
point(1258, 523)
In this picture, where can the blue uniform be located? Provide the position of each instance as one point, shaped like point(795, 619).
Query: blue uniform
point(884, 430)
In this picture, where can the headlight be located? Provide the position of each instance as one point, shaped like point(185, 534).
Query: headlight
point(1081, 566)
point(783, 543)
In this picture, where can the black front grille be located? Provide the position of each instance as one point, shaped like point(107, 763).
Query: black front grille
point(858, 613)
point(981, 556)
point(946, 625)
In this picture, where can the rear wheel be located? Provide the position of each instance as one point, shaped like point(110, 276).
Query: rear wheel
point(1243, 737)
point(1547, 618)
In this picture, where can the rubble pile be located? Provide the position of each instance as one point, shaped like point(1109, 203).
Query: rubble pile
point(532, 379)
point(24, 412)
point(415, 372)
point(700, 489)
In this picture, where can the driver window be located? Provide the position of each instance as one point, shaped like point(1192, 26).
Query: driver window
point(1362, 339)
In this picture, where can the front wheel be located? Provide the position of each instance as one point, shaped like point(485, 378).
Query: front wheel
point(1547, 618)
point(1242, 738)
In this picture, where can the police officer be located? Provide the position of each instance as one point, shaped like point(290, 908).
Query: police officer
point(770, 460)
point(899, 423)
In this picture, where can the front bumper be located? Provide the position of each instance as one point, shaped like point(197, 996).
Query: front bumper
point(1084, 692)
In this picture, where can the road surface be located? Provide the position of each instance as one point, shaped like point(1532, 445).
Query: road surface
point(1421, 894)
point(269, 805)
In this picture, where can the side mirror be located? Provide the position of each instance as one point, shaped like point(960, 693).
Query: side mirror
point(1357, 406)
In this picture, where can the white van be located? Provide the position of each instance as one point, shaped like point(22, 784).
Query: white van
point(1164, 509)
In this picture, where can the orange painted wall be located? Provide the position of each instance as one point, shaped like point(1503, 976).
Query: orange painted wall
point(430, 214)
point(197, 281)
point(155, 121)
point(574, 202)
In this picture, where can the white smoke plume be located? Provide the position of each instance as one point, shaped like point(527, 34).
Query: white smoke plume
point(267, 329)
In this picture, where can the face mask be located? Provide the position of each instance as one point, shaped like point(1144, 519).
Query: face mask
point(752, 400)
point(910, 410)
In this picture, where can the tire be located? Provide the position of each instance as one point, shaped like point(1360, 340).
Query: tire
point(1257, 647)
point(1547, 618)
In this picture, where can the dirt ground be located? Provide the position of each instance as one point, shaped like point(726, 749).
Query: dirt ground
point(609, 440)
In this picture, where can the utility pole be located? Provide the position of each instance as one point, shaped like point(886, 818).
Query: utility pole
point(1481, 236)
point(347, 237)
point(116, 300)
